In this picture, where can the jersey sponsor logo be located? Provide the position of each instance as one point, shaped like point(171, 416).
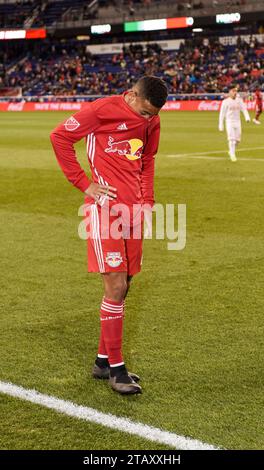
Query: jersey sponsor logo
point(113, 259)
point(71, 124)
point(122, 127)
point(131, 149)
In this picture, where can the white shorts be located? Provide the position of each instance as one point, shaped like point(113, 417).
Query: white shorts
point(233, 130)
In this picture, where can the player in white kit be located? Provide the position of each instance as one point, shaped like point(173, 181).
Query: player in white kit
point(230, 113)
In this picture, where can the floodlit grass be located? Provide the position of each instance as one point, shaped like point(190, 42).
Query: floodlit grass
point(194, 318)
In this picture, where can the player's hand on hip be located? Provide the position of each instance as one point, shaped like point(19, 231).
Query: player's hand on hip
point(96, 190)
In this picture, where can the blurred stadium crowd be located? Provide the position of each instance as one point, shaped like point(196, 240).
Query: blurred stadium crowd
point(199, 66)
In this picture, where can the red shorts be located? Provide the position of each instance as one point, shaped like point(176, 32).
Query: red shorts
point(108, 252)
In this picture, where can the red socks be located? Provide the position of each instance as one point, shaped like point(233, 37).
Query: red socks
point(102, 352)
point(110, 343)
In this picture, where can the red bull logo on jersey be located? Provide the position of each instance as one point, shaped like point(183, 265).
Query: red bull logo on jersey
point(131, 149)
point(113, 259)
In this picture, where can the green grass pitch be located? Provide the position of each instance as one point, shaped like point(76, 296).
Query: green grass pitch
point(194, 318)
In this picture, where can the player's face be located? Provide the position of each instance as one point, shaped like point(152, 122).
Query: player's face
point(233, 93)
point(140, 105)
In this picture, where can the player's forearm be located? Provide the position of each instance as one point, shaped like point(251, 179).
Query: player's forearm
point(221, 119)
point(148, 198)
point(147, 182)
point(67, 160)
point(222, 115)
point(221, 124)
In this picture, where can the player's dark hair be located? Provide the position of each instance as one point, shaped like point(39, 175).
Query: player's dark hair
point(153, 89)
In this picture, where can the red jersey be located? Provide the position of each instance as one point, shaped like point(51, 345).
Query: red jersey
point(120, 144)
point(258, 98)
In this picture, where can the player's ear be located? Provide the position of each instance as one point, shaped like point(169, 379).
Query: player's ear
point(132, 95)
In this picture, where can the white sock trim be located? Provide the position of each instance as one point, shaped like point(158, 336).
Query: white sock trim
point(111, 310)
point(118, 364)
point(113, 305)
point(102, 356)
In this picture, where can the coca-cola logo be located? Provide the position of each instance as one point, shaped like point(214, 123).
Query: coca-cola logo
point(209, 106)
point(172, 105)
point(15, 106)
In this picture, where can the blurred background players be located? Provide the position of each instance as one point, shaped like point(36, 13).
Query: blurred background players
point(258, 106)
point(230, 113)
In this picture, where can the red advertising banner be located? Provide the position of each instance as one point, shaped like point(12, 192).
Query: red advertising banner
point(199, 105)
point(35, 106)
point(196, 105)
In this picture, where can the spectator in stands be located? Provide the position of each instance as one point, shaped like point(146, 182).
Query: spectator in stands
point(200, 67)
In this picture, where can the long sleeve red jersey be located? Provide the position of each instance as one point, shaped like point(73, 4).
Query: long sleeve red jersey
point(121, 146)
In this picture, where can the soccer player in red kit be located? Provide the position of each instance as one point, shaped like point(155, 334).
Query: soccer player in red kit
point(258, 106)
point(122, 138)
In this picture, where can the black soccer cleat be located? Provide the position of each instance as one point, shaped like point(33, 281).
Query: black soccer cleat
point(100, 372)
point(104, 373)
point(124, 384)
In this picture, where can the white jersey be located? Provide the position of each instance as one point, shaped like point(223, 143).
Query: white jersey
point(230, 111)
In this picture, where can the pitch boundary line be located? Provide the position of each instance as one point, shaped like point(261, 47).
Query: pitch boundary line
point(92, 415)
point(201, 157)
point(211, 152)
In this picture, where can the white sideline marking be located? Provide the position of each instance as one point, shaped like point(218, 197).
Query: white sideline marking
point(211, 152)
point(111, 421)
point(201, 157)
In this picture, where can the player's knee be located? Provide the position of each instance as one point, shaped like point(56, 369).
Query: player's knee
point(116, 290)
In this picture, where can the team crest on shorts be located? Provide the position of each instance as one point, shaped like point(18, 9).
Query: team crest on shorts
point(114, 259)
point(71, 124)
